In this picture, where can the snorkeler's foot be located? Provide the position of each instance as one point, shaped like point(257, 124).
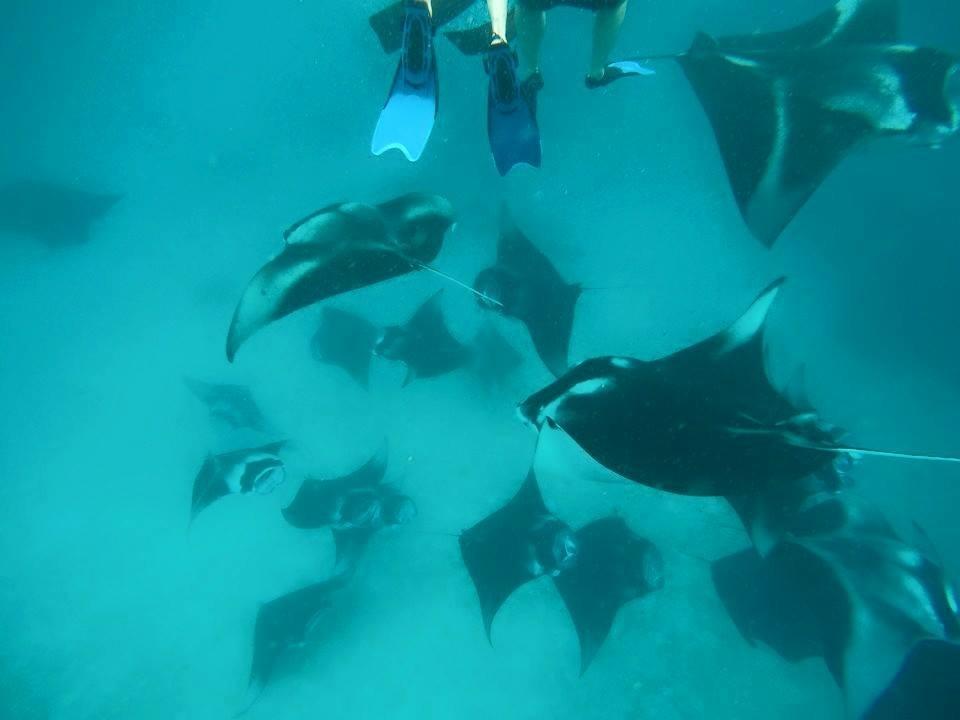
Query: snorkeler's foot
point(616, 71)
point(418, 34)
point(500, 64)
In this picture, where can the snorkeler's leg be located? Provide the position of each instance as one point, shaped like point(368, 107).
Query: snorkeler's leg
point(531, 24)
point(606, 30)
point(498, 19)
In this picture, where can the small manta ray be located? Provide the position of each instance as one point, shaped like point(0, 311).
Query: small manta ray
point(55, 215)
point(233, 404)
point(840, 584)
point(338, 249)
point(355, 507)
point(256, 470)
point(524, 284)
point(596, 569)
point(285, 625)
point(494, 359)
point(347, 341)
point(705, 420)
point(786, 107)
point(424, 344)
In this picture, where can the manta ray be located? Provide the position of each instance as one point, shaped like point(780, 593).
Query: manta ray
point(337, 249)
point(524, 284)
point(287, 624)
point(53, 214)
point(839, 583)
point(786, 107)
point(232, 404)
point(256, 471)
point(355, 507)
point(596, 569)
point(424, 343)
point(705, 420)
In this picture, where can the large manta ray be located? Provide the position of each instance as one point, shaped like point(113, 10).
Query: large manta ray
point(424, 343)
point(337, 249)
point(705, 420)
point(525, 285)
point(55, 215)
point(355, 507)
point(596, 569)
point(786, 107)
point(840, 584)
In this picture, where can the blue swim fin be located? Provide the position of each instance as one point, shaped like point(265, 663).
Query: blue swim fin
point(511, 113)
point(407, 118)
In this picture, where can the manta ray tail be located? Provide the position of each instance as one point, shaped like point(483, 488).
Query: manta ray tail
point(796, 440)
point(870, 452)
point(253, 701)
point(459, 283)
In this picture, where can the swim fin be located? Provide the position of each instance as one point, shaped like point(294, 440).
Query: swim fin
point(617, 70)
point(407, 118)
point(511, 114)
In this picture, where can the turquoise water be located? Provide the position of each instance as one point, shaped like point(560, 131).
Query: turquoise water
point(222, 122)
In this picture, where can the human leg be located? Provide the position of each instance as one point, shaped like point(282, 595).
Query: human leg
point(498, 18)
point(606, 30)
point(531, 23)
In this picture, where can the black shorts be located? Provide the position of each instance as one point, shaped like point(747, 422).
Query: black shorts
point(585, 4)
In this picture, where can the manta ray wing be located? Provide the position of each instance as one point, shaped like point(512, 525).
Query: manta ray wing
point(208, 486)
point(734, 361)
point(346, 340)
point(861, 22)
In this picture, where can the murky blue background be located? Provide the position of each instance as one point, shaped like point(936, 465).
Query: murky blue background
point(222, 122)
